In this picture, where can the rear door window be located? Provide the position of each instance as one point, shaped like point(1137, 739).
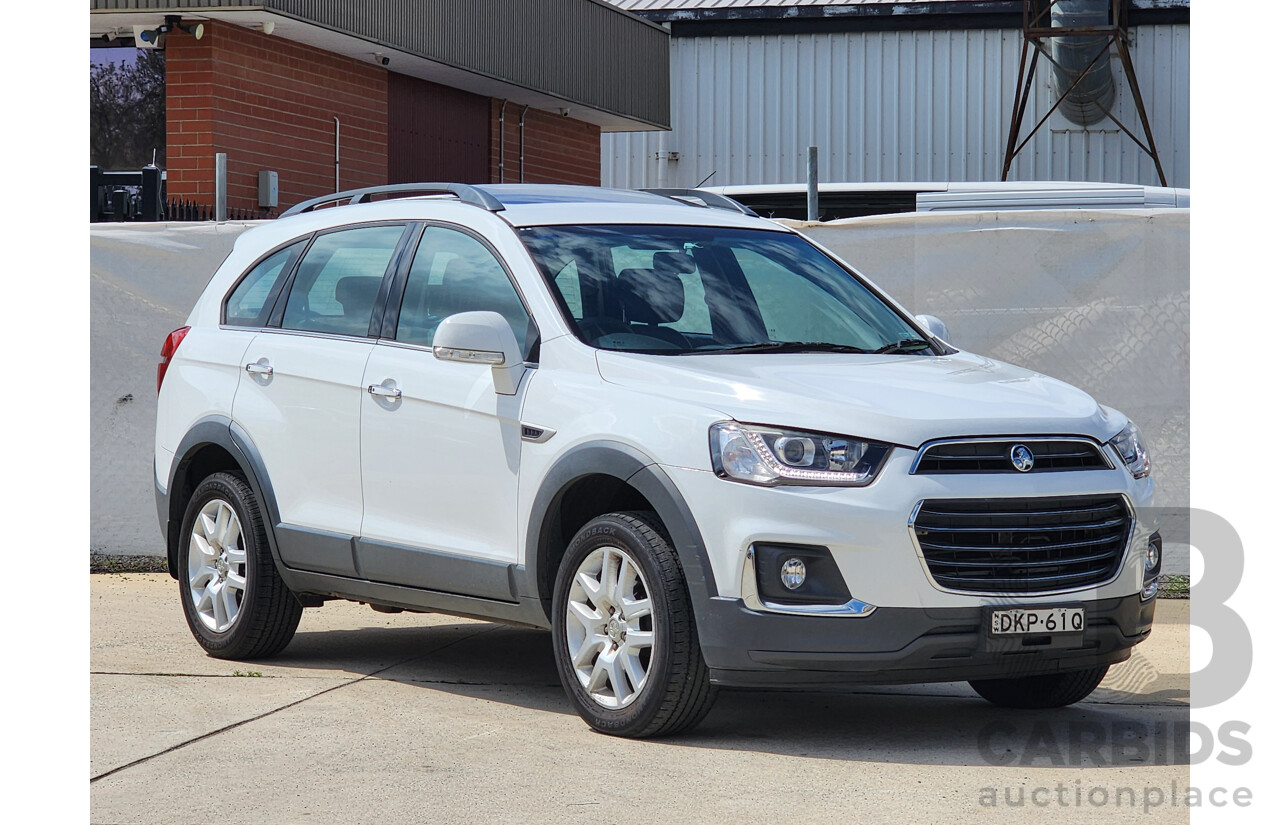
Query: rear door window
point(338, 280)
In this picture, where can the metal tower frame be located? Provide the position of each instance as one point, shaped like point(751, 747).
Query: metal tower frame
point(1037, 28)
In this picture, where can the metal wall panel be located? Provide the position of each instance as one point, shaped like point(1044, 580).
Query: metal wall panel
point(929, 105)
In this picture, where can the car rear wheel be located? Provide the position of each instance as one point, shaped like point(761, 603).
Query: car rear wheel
point(625, 642)
point(235, 602)
point(1052, 690)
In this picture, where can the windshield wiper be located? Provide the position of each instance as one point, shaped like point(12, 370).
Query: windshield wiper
point(782, 346)
point(905, 345)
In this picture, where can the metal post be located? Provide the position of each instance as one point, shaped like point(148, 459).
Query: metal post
point(150, 193)
point(1021, 93)
point(1122, 46)
point(220, 187)
point(95, 193)
point(813, 183)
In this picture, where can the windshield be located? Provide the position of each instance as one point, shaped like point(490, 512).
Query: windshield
point(675, 290)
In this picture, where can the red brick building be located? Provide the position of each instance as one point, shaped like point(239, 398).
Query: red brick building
point(333, 96)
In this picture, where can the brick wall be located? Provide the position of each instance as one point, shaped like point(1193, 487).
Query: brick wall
point(269, 103)
point(556, 149)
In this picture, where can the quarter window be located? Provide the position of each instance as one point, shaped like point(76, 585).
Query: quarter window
point(453, 272)
point(248, 304)
point(338, 280)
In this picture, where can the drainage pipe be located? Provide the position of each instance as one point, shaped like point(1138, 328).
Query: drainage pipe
point(337, 154)
point(522, 114)
point(502, 142)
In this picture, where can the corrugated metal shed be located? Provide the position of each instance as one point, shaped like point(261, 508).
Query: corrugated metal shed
point(912, 105)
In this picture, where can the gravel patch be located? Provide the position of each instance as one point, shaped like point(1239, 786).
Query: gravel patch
point(106, 563)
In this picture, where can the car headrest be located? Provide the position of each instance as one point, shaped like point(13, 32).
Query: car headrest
point(651, 296)
point(356, 293)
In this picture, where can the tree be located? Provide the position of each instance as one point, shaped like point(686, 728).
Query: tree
point(126, 112)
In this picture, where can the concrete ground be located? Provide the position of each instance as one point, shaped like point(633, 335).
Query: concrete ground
point(423, 718)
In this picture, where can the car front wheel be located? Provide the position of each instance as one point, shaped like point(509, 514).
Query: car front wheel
point(625, 642)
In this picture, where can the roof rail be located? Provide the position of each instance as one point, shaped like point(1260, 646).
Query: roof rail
point(709, 199)
point(465, 193)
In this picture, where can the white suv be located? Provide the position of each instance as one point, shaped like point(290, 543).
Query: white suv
point(696, 446)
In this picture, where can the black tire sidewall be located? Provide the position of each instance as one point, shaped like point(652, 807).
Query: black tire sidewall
point(608, 531)
point(223, 486)
point(1046, 691)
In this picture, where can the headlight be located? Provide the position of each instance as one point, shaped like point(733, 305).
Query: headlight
point(1132, 450)
point(770, 457)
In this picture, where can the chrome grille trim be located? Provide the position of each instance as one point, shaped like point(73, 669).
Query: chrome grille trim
point(980, 456)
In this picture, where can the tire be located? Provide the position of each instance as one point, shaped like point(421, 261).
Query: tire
point(235, 602)
point(674, 691)
point(1053, 690)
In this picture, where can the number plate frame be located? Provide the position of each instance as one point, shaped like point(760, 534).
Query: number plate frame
point(1053, 620)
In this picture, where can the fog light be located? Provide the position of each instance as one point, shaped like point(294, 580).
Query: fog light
point(1153, 556)
point(793, 573)
point(1149, 589)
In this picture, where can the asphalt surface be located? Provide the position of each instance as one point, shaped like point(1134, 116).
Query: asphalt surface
point(143, 281)
point(425, 718)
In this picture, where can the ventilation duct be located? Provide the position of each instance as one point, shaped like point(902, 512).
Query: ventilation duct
point(1093, 96)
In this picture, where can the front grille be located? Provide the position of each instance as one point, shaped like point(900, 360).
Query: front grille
point(1022, 545)
point(982, 456)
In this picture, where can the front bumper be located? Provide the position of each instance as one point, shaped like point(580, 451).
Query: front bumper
point(894, 645)
point(868, 532)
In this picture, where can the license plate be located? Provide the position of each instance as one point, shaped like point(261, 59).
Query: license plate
point(1020, 620)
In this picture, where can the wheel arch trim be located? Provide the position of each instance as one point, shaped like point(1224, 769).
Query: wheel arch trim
point(642, 473)
point(220, 431)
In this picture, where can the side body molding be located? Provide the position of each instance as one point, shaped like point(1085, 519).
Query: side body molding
point(628, 465)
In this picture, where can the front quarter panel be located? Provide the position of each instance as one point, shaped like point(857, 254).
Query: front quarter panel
point(603, 428)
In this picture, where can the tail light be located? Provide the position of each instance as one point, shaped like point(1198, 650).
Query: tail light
point(166, 354)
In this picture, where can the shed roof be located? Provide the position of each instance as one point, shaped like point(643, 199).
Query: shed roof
point(654, 5)
point(591, 57)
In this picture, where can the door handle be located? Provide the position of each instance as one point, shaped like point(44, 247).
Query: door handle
point(383, 391)
point(258, 368)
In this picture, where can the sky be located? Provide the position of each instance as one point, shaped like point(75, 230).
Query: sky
point(100, 57)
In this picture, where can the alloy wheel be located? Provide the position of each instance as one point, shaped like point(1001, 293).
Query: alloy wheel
point(217, 565)
point(609, 627)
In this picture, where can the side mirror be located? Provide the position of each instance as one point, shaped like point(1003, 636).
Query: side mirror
point(482, 338)
point(935, 327)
